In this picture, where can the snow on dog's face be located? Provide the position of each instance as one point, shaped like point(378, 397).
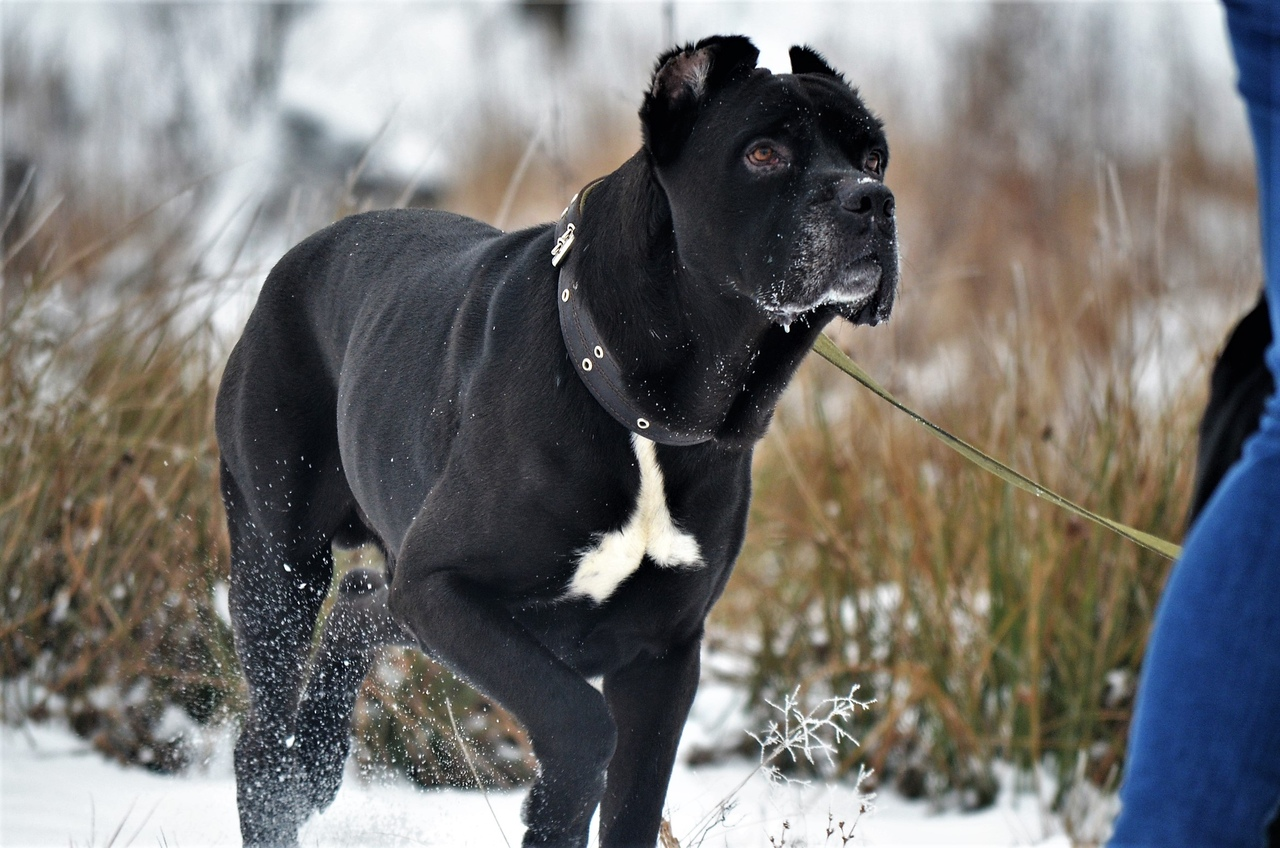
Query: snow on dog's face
point(789, 166)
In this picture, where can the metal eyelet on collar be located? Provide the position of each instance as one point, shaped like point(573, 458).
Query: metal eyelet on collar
point(642, 423)
point(599, 352)
point(564, 295)
point(586, 365)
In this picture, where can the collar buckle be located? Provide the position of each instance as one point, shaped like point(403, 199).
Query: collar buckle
point(562, 246)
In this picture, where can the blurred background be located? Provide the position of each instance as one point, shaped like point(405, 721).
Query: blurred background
point(1076, 207)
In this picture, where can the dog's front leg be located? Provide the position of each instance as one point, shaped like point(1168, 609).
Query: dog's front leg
point(568, 723)
point(649, 699)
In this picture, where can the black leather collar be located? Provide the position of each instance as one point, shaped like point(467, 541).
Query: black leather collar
point(594, 362)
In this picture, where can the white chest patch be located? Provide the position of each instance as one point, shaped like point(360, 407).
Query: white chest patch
point(650, 530)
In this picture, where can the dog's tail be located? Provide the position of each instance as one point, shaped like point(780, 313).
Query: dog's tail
point(359, 624)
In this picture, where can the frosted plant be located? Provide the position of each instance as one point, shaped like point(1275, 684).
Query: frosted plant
point(804, 734)
point(797, 733)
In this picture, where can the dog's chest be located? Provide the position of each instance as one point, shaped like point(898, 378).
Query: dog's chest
point(649, 531)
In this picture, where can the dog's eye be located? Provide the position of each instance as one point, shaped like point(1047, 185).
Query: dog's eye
point(873, 163)
point(764, 155)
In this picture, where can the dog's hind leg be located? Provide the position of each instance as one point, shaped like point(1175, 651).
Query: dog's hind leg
point(291, 751)
point(277, 586)
point(356, 627)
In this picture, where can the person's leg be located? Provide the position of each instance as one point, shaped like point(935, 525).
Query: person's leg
point(1204, 748)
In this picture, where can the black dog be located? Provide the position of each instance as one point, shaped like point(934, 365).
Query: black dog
point(1238, 390)
point(553, 451)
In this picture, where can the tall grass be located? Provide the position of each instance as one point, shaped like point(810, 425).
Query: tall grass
point(403, 727)
point(989, 625)
point(110, 529)
point(1059, 308)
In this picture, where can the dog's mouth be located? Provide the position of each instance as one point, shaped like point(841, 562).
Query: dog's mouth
point(874, 288)
point(861, 291)
point(840, 265)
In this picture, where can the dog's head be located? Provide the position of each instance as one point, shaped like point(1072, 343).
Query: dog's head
point(775, 181)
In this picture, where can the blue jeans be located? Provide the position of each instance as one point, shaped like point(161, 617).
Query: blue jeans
point(1204, 748)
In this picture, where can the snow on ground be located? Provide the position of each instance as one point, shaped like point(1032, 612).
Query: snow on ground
point(55, 791)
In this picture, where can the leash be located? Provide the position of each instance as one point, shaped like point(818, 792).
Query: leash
point(600, 372)
point(828, 350)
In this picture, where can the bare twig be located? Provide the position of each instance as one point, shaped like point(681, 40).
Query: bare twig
point(799, 733)
point(466, 755)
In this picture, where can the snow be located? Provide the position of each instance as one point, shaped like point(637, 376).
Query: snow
point(55, 791)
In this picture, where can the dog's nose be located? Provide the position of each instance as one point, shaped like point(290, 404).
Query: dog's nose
point(866, 198)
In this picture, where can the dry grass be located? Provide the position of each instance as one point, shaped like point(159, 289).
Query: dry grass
point(1061, 318)
point(989, 625)
point(403, 726)
point(111, 530)
point(520, 177)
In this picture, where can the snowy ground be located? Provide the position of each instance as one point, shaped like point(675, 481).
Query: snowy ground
point(54, 791)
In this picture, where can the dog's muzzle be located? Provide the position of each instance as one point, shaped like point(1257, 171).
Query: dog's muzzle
point(846, 257)
point(867, 211)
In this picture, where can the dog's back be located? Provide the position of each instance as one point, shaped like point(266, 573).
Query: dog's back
point(320, 289)
point(366, 278)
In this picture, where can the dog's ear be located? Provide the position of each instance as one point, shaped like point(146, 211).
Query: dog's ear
point(806, 60)
point(683, 81)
